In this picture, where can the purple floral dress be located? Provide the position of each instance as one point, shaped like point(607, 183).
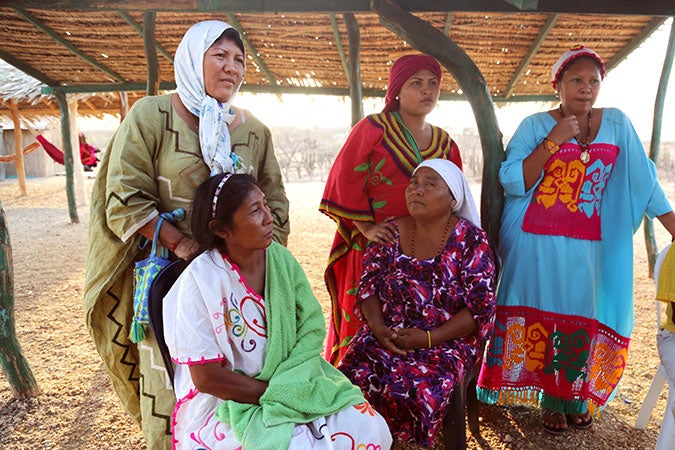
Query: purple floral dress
point(413, 392)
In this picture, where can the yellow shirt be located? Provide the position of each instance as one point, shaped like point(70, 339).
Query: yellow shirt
point(663, 293)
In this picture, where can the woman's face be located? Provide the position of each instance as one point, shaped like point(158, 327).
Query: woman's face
point(224, 66)
point(427, 195)
point(579, 86)
point(419, 93)
point(252, 224)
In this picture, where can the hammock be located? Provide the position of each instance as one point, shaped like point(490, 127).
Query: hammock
point(52, 150)
point(87, 152)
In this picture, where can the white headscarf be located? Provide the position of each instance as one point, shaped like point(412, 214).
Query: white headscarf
point(456, 181)
point(214, 116)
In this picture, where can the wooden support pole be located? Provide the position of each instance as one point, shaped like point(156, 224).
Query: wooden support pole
point(18, 147)
point(355, 90)
point(427, 39)
point(15, 367)
point(650, 239)
point(151, 52)
point(124, 105)
point(78, 169)
point(67, 154)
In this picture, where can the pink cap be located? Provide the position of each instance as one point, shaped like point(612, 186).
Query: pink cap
point(570, 55)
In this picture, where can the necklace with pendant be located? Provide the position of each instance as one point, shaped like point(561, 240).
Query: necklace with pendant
point(585, 156)
point(444, 238)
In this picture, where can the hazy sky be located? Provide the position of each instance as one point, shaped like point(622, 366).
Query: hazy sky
point(630, 87)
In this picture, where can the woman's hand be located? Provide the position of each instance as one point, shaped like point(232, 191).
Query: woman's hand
point(387, 337)
point(411, 339)
point(566, 128)
point(383, 232)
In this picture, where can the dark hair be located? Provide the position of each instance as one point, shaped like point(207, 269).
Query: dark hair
point(574, 61)
point(231, 196)
point(232, 35)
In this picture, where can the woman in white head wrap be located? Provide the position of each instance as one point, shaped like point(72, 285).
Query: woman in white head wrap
point(428, 303)
point(167, 146)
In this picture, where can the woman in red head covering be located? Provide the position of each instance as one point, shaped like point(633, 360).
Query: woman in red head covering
point(365, 187)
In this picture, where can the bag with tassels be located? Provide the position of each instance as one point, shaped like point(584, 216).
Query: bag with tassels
point(145, 271)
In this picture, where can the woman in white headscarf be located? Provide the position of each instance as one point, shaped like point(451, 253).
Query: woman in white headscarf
point(166, 147)
point(428, 302)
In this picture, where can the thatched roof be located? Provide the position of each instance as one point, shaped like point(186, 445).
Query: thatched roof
point(83, 45)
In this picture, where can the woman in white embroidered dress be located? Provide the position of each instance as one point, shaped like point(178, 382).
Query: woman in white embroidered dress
point(246, 334)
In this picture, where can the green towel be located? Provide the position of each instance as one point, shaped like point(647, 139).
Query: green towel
point(302, 385)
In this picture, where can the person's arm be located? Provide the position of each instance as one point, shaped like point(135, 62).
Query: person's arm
point(371, 308)
point(170, 237)
point(383, 232)
point(533, 164)
point(214, 379)
point(668, 221)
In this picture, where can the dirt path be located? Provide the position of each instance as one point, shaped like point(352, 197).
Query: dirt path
point(79, 410)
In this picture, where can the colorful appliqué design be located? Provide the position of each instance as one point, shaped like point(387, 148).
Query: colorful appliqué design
point(566, 357)
point(567, 200)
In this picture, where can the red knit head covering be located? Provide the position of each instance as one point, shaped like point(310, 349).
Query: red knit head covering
point(404, 68)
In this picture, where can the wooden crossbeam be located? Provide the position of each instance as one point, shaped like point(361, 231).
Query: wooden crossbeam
point(76, 51)
point(251, 48)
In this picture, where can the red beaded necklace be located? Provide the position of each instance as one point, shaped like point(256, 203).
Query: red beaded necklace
point(585, 156)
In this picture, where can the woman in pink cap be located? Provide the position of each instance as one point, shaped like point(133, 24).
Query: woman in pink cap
point(577, 184)
point(365, 187)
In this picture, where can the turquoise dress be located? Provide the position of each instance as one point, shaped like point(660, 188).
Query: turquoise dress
point(565, 299)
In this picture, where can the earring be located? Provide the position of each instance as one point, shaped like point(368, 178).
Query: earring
point(396, 97)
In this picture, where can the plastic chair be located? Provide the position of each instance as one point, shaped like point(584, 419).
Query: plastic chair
point(464, 403)
point(159, 288)
point(659, 380)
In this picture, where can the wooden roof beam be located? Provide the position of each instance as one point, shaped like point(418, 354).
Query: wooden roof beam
point(251, 48)
point(651, 26)
point(280, 89)
point(524, 5)
point(51, 33)
point(613, 7)
point(338, 44)
point(27, 68)
point(525, 62)
point(448, 23)
point(130, 20)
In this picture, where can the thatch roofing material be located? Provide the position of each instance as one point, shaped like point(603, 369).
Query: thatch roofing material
point(299, 49)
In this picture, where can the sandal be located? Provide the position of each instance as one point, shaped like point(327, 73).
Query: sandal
point(583, 423)
point(553, 422)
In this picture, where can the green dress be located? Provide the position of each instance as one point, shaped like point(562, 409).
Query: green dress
point(152, 165)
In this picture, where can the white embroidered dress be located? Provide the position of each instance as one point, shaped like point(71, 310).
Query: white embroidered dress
point(210, 315)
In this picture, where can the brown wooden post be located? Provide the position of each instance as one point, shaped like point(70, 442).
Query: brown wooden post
point(151, 52)
point(427, 39)
point(355, 90)
point(124, 105)
point(15, 367)
point(67, 154)
point(18, 147)
point(650, 240)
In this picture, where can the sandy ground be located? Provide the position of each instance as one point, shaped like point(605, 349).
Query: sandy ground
point(78, 410)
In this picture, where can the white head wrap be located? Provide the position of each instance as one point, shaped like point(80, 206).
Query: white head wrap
point(214, 116)
point(456, 181)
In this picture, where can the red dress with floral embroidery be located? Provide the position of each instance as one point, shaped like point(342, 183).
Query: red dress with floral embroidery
point(413, 392)
point(367, 183)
